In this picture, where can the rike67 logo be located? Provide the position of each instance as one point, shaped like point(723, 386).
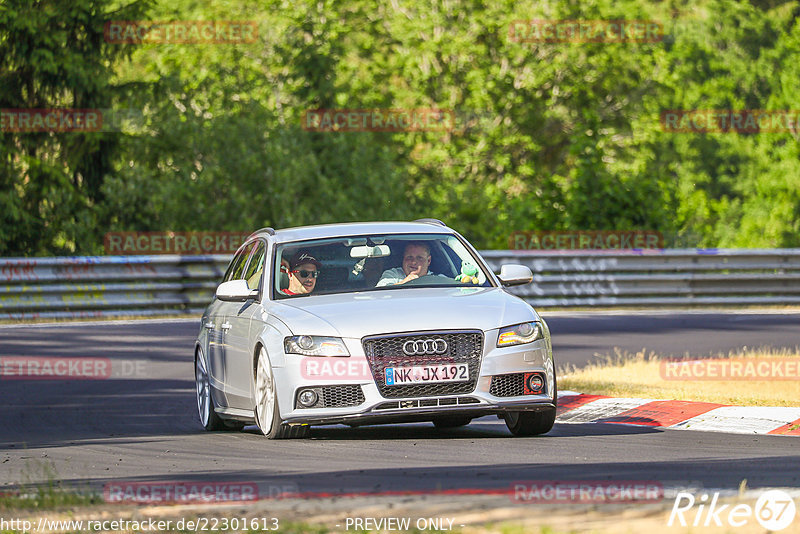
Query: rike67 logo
point(774, 510)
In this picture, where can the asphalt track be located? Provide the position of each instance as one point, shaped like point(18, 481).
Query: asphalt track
point(141, 423)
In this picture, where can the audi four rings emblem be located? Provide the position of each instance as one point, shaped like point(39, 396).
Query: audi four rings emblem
point(425, 346)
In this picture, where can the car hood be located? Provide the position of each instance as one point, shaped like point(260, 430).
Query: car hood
point(356, 315)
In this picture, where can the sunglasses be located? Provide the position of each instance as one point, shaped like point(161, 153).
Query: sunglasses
point(305, 274)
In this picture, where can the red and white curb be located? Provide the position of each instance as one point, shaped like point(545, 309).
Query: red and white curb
point(707, 416)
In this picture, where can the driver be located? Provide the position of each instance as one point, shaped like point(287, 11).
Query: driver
point(416, 260)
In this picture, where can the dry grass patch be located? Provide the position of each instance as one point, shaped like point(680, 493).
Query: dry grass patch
point(647, 375)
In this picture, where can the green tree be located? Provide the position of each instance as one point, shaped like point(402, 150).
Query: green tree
point(54, 56)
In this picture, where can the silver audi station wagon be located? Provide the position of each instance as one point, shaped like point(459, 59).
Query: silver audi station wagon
point(369, 323)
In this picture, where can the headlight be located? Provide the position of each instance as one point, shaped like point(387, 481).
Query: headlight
point(519, 334)
point(315, 346)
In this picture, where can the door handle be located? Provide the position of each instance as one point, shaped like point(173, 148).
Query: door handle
point(226, 326)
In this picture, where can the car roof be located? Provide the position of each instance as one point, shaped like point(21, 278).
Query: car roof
point(324, 231)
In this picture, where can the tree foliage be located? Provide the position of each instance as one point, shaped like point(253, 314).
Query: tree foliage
point(547, 136)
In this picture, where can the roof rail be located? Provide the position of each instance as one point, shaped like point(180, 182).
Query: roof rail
point(270, 231)
point(431, 221)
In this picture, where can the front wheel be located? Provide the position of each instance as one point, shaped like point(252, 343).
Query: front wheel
point(268, 416)
point(524, 424)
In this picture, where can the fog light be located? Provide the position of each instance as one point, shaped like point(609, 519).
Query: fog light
point(307, 398)
point(534, 383)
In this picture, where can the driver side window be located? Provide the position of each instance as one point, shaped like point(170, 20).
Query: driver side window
point(236, 269)
point(255, 267)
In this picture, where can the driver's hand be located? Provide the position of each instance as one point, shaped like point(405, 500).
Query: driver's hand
point(411, 276)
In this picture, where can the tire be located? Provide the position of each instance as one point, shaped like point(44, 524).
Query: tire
point(205, 403)
point(233, 426)
point(267, 412)
point(525, 424)
point(452, 421)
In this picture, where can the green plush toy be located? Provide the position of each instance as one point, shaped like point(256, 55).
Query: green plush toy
point(468, 273)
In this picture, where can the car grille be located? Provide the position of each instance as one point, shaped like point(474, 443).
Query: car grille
point(337, 397)
point(341, 396)
point(387, 351)
point(512, 385)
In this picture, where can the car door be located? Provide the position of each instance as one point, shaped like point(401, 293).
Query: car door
point(238, 349)
point(214, 348)
point(221, 326)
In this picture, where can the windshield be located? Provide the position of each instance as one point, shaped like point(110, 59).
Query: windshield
point(375, 263)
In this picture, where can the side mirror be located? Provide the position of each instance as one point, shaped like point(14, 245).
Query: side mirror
point(235, 291)
point(515, 275)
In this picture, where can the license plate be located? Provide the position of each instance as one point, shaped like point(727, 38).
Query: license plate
point(426, 374)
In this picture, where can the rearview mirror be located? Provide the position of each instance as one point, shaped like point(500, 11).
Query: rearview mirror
point(378, 251)
point(515, 275)
point(235, 291)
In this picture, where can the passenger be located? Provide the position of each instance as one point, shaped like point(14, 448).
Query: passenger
point(416, 260)
point(303, 272)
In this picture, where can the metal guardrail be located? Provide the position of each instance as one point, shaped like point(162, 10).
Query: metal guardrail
point(657, 277)
point(101, 286)
point(107, 286)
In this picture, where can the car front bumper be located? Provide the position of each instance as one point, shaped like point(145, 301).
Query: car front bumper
point(376, 409)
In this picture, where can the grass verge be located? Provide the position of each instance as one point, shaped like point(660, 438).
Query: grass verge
point(46, 497)
point(647, 375)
